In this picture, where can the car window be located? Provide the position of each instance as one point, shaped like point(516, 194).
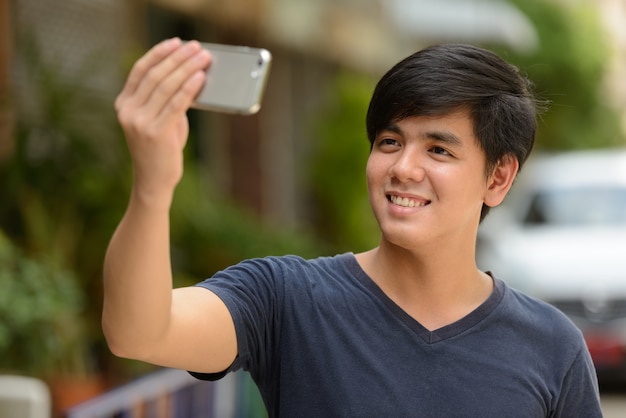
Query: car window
point(578, 206)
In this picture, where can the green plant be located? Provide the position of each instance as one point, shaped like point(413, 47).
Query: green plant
point(41, 322)
point(208, 233)
point(65, 188)
point(568, 69)
point(342, 214)
point(64, 185)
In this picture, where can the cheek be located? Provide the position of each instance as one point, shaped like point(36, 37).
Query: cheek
point(371, 171)
point(375, 180)
point(475, 192)
point(463, 185)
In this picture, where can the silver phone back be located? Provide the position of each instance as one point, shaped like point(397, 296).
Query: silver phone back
point(235, 80)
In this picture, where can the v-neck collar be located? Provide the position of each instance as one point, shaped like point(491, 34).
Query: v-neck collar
point(434, 336)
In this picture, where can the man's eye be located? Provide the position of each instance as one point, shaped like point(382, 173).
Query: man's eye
point(388, 141)
point(439, 150)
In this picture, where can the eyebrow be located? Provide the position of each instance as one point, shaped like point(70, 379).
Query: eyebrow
point(440, 136)
point(445, 137)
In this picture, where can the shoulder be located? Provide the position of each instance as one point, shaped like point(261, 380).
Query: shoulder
point(290, 264)
point(539, 315)
point(556, 344)
point(532, 308)
point(280, 271)
point(541, 325)
point(541, 335)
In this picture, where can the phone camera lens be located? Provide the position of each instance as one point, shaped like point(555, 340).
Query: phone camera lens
point(260, 62)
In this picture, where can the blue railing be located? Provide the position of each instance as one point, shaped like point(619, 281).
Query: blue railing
point(171, 393)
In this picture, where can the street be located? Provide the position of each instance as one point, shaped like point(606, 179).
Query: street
point(614, 405)
point(613, 397)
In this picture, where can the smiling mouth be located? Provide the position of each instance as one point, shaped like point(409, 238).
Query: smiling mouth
point(407, 202)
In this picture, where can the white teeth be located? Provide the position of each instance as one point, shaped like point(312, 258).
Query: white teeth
point(406, 202)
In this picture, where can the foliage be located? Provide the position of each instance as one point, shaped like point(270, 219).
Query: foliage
point(65, 183)
point(64, 190)
point(41, 310)
point(568, 69)
point(202, 223)
point(343, 216)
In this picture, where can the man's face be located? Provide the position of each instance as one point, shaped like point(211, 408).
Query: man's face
point(426, 180)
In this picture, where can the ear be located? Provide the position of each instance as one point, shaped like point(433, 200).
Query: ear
point(501, 180)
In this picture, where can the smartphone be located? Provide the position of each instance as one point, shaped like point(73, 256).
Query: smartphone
point(235, 80)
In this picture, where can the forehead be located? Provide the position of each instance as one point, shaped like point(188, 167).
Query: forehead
point(455, 127)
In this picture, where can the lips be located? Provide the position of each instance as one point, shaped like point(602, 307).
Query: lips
point(407, 202)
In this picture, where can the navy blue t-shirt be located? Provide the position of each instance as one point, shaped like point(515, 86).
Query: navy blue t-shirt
point(320, 338)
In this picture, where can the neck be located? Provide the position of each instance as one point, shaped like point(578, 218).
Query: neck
point(436, 288)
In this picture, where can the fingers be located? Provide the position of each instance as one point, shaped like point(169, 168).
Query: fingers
point(143, 65)
point(173, 84)
point(167, 78)
point(172, 99)
point(152, 111)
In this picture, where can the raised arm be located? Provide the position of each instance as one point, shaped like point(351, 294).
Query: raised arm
point(143, 317)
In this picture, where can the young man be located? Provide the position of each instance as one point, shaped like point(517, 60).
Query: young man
point(410, 328)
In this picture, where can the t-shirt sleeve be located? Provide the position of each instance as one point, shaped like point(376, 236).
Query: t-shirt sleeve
point(251, 291)
point(579, 395)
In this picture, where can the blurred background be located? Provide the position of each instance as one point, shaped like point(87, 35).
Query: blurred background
point(287, 180)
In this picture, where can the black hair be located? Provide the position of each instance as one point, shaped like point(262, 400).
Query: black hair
point(442, 79)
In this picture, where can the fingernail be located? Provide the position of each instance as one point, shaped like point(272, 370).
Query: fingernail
point(193, 45)
point(169, 43)
point(202, 55)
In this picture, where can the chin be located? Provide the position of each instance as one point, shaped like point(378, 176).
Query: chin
point(405, 240)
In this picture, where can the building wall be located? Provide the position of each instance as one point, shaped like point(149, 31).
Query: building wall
point(253, 160)
point(613, 13)
point(6, 111)
point(73, 51)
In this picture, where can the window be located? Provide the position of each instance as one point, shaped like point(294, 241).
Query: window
point(579, 206)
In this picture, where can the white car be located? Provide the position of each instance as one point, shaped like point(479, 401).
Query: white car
point(561, 236)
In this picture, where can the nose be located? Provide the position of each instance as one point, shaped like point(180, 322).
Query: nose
point(408, 166)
